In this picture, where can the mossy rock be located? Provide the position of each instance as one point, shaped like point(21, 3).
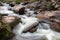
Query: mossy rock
point(6, 29)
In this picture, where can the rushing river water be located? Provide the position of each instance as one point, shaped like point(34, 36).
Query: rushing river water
point(43, 32)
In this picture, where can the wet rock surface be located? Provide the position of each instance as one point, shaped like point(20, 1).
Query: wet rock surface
point(30, 20)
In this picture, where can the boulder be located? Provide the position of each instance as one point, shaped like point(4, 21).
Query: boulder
point(55, 22)
point(9, 19)
point(19, 9)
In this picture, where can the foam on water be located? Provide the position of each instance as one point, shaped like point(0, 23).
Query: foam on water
point(27, 23)
point(43, 30)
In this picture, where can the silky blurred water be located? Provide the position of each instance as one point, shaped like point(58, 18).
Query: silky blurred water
point(43, 32)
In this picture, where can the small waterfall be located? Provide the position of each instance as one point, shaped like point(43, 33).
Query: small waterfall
point(43, 32)
point(28, 22)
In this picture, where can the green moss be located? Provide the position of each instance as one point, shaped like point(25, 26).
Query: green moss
point(4, 34)
point(6, 29)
